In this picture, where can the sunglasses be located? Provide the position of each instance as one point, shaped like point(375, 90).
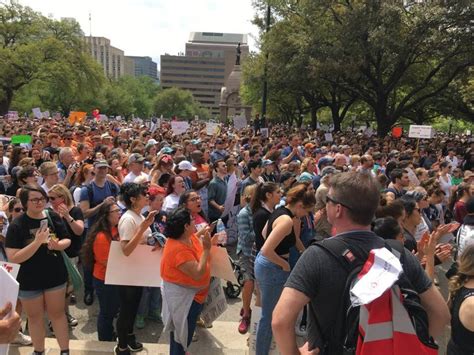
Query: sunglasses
point(18, 209)
point(54, 198)
point(330, 199)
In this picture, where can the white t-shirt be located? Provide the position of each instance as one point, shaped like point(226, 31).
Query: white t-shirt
point(131, 177)
point(170, 203)
point(128, 225)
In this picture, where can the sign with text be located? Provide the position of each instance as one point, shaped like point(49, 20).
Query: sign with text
point(212, 128)
point(179, 127)
point(417, 131)
point(37, 112)
point(240, 122)
point(11, 268)
point(328, 137)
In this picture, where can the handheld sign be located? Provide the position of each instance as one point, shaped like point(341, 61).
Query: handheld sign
point(22, 138)
point(417, 131)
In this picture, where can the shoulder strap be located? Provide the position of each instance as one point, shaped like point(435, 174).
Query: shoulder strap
point(50, 221)
point(346, 256)
point(90, 192)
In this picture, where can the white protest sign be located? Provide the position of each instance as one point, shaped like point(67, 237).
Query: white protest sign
point(421, 131)
point(212, 128)
point(382, 274)
point(179, 127)
point(12, 115)
point(103, 118)
point(216, 303)
point(46, 114)
point(264, 132)
point(118, 118)
point(220, 264)
point(230, 197)
point(37, 112)
point(328, 137)
point(256, 316)
point(140, 268)
point(11, 268)
point(155, 125)
point(240, 122)
point(57, 116)
point(8, 293)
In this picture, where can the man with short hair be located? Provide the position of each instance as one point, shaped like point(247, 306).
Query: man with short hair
point(135, 165)
point(255, 171)
point(399, 180)
point(66, 166)
point(293, 151)
point(452, 159)
point(217, 191)
point(219, 151)
point(366, 165)
point(350, 216)
point(50, 173)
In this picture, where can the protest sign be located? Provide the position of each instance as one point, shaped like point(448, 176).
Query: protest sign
point(212, 128)
point(240, 122)
point(179, 127)
point(77, 117)
point(8, 294)
point(22, 138)
point(417, 131)
point(216, 303)
point(46, 114)
point(256, 315)
point(140, 268)
point(12, 115)
point(328, 137)
point(264, 132)
point(397, 132)
point(37, 112)
point(230, 197)
point(220, 264)
point(11, 268)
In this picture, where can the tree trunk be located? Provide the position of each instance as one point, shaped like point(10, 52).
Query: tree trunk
point(6, 102)
point(336, 118)
point(314, 118)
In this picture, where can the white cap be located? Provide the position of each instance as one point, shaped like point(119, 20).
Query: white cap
point(186, 165)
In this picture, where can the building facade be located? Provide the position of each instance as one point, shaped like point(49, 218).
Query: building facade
point(204, 68)
point(110, 58)
point(144, 66)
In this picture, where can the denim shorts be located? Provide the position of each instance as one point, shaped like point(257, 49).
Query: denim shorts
point(29, 295)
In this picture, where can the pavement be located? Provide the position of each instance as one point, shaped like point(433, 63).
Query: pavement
point(222, 338)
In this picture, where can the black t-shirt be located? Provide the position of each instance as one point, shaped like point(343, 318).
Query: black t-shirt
point(310, 276)
point(45, 269)
point(289, 240)
point(76, 240)
point(260, 218)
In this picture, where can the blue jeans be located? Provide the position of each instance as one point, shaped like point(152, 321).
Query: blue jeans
point(109, 303)
point(194, 312)
point(151, 301)
point(271, 279)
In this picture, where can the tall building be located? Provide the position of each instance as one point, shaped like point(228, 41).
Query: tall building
point(110, 58)
point(203, 69)
point(144, 66)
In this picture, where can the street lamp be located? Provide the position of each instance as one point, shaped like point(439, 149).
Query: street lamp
point(450, 125)
point(265, 84)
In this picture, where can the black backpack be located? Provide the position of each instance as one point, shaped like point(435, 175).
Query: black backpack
point(344, 334)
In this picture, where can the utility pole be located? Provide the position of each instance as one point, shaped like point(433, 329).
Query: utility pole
point(90, 24)
point(265, 84)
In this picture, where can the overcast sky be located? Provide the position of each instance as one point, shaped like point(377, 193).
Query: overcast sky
point(152, 27)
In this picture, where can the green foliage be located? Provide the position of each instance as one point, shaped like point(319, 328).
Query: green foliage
point(178, 102)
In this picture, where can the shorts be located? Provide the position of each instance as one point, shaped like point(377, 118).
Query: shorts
point(246, 267)
point(28, 295)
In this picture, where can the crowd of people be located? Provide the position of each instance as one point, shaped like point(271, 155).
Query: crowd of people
point(73, 190)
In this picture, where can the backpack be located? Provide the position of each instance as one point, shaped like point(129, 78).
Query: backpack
point(347, 335)
point(90, 192)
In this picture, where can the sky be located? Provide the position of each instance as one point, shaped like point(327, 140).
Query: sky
point(153, 27)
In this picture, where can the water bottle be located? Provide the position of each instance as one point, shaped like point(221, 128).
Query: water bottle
point(221, 233)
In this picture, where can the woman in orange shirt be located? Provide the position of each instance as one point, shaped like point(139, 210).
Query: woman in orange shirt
point(95, 253)
point(186, 273)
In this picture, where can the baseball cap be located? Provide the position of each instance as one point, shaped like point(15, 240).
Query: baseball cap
point(219, 141)
point(101, 164)
point(105, 135)
point(328, 170)
point(166, 150)
point(135, 158)
point(325, 161)
point(468, 174)
point(186, 165)
point(285, 176)
point(305, 176)
point(309, 145)
point(152, 141)
point(267, 162)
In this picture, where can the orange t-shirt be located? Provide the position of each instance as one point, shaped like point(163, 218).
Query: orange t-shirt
point(176, 253)
point(101, 250)
point(201, 172)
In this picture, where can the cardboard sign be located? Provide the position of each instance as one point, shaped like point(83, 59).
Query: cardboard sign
point(416, 131)
point(220, 264)
point(397, 132)
point(216, 303)
point(328, 137)
point(212, 128)
point(240, 122)
point(8, 293)
point(179, 127)
point(140, 268)
point(37, 112)
point(12, 115)
point(11, 268)
point(264, 132)
point(76, 117)
point(46, 114)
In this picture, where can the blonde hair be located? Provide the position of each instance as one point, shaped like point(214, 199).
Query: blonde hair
point(304, 164)
point(26, 162)
point(63, 191)
point(465, 271)
point(249, 191)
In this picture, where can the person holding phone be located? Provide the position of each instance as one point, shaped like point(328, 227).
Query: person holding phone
point(43, 275)
point(134, 229)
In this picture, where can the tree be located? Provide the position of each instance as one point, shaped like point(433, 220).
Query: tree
point(178, 102)
point(49, 55)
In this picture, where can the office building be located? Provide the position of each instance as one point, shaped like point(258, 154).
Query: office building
point(110, 58)
point(204, 68)
point(144, 66)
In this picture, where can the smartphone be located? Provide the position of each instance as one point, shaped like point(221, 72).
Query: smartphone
point(44, 224)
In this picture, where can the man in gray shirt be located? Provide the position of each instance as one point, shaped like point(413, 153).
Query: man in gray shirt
point(217, 191)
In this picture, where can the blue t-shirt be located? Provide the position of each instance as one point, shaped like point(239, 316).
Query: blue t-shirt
point(98, 195)
point(287, 151)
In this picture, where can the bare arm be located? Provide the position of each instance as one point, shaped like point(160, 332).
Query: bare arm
point(128, 246)
point(466, 313)
point(195, 269)
point(281, 228)
point(436, 309)
point(19, 256)
point(284, 319)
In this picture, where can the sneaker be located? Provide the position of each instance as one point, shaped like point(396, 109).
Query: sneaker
point(72, 299)
point(133, 345)
point(195, 337)
point(140, 322)
point(88, 298)
point(244, 325)
point(117, 351)
point(22, 340)
point(71, 321)
point(156, 316)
